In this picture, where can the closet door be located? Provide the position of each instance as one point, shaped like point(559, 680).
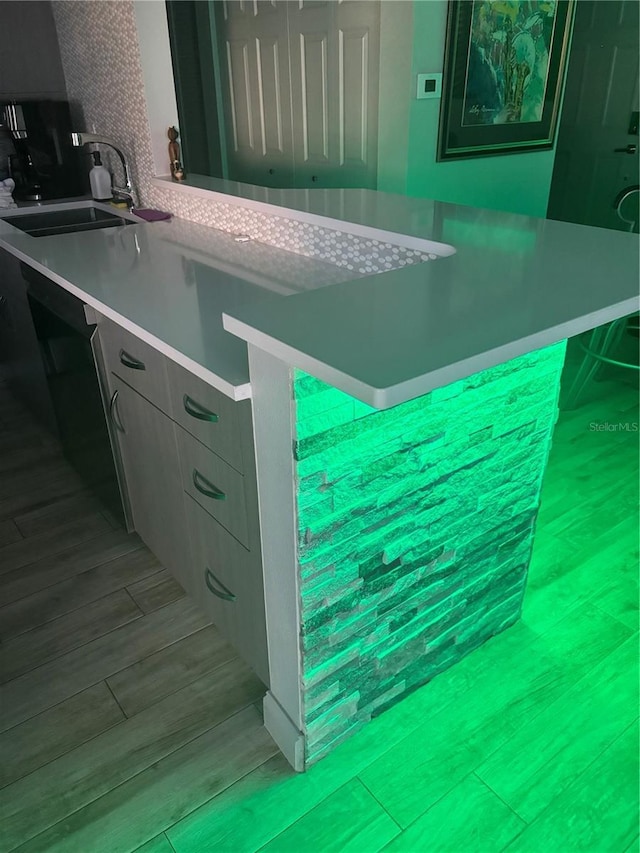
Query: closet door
point(254, 64)
point(334, 50)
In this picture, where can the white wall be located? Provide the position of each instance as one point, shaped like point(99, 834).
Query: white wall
point(103, 59)
point(514, 182)
point(157, 72)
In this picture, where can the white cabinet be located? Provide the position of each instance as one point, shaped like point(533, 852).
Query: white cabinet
point(185, 453)
point(149, 455)
point(141, 366)
point(226, 580)
point(31, 65)
point(216, 486)
point(207, 414)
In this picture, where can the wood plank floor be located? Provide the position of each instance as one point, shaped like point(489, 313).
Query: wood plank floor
point(128, 724)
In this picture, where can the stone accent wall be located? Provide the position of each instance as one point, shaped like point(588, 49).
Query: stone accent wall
point(415, 528)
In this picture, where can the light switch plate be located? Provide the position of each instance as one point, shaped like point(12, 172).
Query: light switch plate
point(429, 86)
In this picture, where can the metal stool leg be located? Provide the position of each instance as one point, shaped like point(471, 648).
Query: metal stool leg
point(602, 340)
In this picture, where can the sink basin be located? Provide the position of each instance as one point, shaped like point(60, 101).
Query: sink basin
point(48, 222)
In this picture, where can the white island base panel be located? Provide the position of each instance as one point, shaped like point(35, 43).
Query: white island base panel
point(405, 541)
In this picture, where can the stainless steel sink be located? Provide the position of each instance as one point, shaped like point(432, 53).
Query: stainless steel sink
point(49, 222)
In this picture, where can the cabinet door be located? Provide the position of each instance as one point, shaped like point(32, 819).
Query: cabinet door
point(151, 467)
point(20, 356)
point(31, 65)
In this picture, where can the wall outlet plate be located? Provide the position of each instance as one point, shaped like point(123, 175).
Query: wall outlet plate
point(429, 86)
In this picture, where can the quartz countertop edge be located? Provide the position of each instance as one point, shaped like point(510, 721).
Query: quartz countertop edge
point(385, 398)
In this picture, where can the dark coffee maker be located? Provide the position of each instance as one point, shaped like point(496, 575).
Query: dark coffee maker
point(36, 150)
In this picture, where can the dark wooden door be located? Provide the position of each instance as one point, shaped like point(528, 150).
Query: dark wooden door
point(592, 164)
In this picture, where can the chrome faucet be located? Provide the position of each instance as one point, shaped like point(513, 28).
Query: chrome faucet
point(128, 192)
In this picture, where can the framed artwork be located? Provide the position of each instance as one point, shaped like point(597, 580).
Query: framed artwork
point(503, 70)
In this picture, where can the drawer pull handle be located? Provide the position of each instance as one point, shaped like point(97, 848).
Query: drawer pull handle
point(197, 411)
point(217, 587)
point(130, 361)
point(113, 412)
point(205, 487)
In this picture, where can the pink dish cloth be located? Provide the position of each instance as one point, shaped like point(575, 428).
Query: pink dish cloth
point(150, 215)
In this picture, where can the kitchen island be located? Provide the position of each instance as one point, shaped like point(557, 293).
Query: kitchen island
point(401, 422)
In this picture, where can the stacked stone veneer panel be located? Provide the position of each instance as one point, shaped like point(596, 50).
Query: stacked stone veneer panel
point(415, 528)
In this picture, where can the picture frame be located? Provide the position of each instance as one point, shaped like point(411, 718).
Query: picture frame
point(504, 67)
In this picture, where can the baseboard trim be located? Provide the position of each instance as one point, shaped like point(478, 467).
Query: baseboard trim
point(289, 740)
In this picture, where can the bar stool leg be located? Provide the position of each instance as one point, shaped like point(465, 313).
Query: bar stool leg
point(602, 341)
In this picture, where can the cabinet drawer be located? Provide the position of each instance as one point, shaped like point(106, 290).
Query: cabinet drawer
point(227, 583)
point(206, 413)
point(216, 486)
point(141, 366)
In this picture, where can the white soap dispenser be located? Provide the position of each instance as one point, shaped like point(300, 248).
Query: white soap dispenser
point(100, 179)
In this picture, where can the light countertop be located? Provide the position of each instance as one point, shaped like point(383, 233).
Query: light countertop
point(512, 285)
point(169, 283)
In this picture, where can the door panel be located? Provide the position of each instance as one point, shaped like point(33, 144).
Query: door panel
point(314, 120)
point(242, 118)
point(601, 94)
point(253, 42)
point(269, 62)
point(334, 50)
point(354, 96)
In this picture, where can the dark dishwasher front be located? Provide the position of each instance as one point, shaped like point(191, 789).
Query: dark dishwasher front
point(64, 337)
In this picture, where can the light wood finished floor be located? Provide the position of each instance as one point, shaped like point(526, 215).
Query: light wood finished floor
point(129, 725)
